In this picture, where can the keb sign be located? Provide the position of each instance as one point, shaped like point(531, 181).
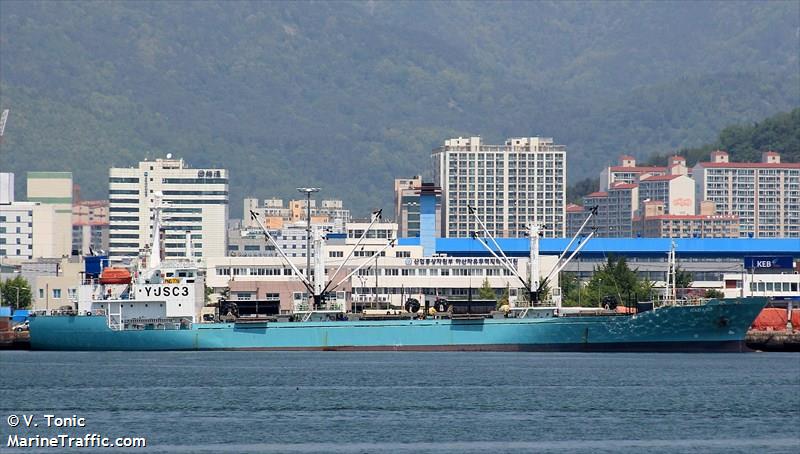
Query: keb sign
point(773, 263)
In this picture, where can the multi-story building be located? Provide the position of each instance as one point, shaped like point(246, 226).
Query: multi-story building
point(409, 196)
point(654, 222)
point(575, 217)
point(16, 230)
point(615, 210)
point(509, 185)
point(195, 201)
point(90, 225)
point(34, 229)
point(6, 188)
point(676, 191)
point(53, 190)
point(765, 195)
point(274, 215)
point(627, 172)
point(291, 238)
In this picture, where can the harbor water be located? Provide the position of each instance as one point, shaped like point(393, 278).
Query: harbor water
point(364, 402)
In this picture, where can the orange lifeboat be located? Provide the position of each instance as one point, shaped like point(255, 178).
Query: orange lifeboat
point(113, 275)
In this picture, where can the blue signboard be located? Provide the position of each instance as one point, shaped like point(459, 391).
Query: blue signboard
point(768, 262)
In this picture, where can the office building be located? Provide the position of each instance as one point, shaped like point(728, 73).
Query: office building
point(195, 201)
point(509, 186)
point(53, 190)
point(765, 196)
point(410, 195)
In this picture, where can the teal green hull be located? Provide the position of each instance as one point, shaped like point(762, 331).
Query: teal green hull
point(716, 326)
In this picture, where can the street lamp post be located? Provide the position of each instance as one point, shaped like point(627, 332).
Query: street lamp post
point(308, 192)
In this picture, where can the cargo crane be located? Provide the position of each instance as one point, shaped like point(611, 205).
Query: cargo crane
point(317, 286)
point(534, 285)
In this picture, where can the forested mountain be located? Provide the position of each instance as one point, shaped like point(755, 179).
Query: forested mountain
point(348, 96)
point(744, 143)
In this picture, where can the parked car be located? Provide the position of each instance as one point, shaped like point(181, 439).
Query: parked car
point(22, 326)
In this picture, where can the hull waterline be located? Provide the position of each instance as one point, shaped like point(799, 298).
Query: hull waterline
point(716, 326)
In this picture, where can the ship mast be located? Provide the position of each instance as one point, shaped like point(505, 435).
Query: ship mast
point(670, 291)
point(534, 233)
point(320, 287)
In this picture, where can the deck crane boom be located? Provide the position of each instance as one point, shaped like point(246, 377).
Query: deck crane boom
point(534, 232)
point(319, 287)
point(3, 120)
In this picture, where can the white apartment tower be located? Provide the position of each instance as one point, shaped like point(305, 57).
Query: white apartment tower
point(509, 185)
point(195, 200)
point(764, 195)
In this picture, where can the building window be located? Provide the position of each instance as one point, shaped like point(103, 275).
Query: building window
point(41, 293)
point(56, 293)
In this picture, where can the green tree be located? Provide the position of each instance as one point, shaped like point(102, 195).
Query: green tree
point(683, 278)
point(504, 298)
point(16, 292)
point(570, 289)
point(714, 293)
point(617, 281)
point(486, 292)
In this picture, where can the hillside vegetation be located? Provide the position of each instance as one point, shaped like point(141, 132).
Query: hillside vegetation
point(347, 96)
point(744, 143)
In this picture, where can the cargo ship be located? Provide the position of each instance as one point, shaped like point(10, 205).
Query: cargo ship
point(716, 325)
point(159, 309)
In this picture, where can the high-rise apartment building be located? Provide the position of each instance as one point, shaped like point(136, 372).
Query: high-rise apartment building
point(653, 222)
point(676, 192)
point(627, 172)
point(509, 185)
point(195, 202)
point(615, 210)
point(765, 195)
